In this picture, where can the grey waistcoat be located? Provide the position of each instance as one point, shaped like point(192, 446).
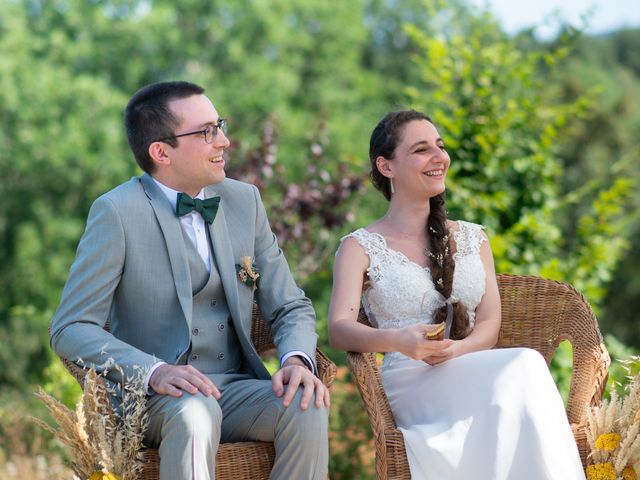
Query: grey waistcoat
point(214, 348)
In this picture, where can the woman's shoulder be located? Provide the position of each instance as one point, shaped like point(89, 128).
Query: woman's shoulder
point(369, 241)
point(468, 236)
point(462, 225)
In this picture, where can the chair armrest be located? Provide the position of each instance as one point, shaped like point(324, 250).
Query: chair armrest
point(367, 382)
point(326, 368)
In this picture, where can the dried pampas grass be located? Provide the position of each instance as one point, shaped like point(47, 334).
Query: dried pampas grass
point(103, 442)
point(614, 434)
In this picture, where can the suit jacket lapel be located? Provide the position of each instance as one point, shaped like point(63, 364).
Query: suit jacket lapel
point(225, 261)
point(174, 239)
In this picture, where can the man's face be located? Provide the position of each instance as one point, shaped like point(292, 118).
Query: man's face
point(194, 164)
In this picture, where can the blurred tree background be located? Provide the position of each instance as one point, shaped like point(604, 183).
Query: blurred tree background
point(543, 138)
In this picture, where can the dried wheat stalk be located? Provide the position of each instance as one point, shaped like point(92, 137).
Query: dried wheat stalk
point(100, 439)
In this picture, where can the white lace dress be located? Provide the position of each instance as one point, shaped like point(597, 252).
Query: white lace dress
point(493, 414)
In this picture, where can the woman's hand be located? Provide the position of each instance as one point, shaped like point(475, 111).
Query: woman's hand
point(454, 349)
point(412, 342)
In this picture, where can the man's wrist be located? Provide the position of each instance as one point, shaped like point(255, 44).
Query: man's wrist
point(297, 360)
point(307, 362)
point(147, 380)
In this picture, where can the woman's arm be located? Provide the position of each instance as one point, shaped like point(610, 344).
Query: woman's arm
point(345, 333)
point(488, 312)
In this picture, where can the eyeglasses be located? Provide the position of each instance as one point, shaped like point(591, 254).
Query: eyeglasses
point(209, 133)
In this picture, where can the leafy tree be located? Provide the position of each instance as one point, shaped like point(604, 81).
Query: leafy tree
point(604, 147)
point(503, 122)
point(62, 146)
point(64, 88)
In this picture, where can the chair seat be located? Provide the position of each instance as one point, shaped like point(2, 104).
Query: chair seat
point(250, 460)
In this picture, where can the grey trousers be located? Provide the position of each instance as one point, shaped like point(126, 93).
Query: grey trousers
point(187, 431)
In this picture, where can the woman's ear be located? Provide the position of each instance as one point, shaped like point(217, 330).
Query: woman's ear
point(385, 167)
point(158, 153)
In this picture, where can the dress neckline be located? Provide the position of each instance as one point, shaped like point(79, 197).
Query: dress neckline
point(397, 252)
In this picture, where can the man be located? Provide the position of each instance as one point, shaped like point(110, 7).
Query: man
point(165, 269)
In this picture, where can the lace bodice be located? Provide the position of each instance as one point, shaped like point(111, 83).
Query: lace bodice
point(402, 293)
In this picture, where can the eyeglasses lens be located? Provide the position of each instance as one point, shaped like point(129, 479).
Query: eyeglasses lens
point(212, 130)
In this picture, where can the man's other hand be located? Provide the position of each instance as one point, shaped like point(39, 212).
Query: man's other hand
point(174, 379)
point(295, 373)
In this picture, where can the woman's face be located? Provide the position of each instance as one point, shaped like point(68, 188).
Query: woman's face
point(420, 162)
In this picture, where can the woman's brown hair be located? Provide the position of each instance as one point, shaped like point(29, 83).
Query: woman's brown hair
point(384, 140)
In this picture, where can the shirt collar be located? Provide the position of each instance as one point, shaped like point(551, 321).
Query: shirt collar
point(172, 195)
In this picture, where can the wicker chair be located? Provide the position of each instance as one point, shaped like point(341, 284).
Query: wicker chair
point(234, 461)
point(536, 313)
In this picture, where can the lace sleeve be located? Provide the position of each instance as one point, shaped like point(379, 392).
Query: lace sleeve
point(468, 238)
point(374, 247)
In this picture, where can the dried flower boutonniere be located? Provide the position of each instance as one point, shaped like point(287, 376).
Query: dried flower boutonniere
point(248, 272)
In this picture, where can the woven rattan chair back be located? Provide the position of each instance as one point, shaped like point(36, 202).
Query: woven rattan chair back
point(234, 461)
point(536, 313)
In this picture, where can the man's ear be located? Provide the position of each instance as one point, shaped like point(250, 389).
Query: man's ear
point(385, 167)
point(158, 153)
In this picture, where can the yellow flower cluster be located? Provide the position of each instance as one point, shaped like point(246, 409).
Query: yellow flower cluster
point(613, 430)
point(104, 476)
point(629, 473)
point(608, 441)
point(601, 471)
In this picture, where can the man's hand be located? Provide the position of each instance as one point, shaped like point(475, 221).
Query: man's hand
point(293, 374)
point(174, 379)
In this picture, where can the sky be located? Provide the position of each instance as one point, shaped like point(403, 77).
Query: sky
point(605, 15)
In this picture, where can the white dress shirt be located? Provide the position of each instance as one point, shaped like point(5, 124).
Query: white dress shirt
point(192, 223)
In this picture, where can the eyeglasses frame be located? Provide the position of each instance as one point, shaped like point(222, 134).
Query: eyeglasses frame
point(222, 125)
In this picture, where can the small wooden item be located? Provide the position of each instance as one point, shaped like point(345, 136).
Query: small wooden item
point(436, 334)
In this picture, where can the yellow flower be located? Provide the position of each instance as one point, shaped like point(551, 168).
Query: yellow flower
point(104, 476)
point(629, 473)
point(608, 442)
point(601, 471)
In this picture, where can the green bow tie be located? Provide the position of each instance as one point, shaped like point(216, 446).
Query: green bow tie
point(207, 207)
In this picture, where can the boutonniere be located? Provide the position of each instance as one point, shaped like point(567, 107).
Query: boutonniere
point(248, 272)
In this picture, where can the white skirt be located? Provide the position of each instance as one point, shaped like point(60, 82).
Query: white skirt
point(493, 414)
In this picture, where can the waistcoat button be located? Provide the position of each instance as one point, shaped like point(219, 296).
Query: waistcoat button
point(213, 303)
point(194, 357)
point(221, 326)
point(196, 331)
point(220, 356)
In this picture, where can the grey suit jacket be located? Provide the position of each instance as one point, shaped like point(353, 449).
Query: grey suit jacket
point(131, 270)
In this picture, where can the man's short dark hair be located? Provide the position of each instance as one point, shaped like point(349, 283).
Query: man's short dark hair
point(148, 117)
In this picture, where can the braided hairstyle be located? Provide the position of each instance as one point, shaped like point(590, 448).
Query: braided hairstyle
point(384, 140)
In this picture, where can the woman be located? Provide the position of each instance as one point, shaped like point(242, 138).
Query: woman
point(465, 411)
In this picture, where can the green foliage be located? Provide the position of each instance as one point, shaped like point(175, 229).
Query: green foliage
point(624, 365)
point(561, 368)
point(62, 146)
point(606, 146)
point(60, 384)
point(503, 124)
point(351, 450)
point(23, 336)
